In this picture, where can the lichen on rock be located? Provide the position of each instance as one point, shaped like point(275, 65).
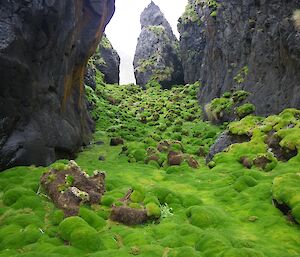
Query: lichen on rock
point(157, 52)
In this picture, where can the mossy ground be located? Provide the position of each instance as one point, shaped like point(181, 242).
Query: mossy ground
point(223, 211)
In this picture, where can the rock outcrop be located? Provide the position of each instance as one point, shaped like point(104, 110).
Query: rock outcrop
point(157, 52)
point(44, 48)
point(250, 45)
point(107, 61)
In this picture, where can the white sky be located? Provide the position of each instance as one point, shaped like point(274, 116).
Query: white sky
point(124, 29)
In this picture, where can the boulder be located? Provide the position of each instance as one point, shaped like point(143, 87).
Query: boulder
point(69, 187)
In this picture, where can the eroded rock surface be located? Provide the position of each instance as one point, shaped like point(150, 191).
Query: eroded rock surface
point(44, 48)
point(157, 52)
point(251, 45)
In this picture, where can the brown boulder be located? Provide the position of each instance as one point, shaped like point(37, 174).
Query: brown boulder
point(70, 187)
point(175, 158)
point(193, 163)
point(116, 141)
point(128, 216)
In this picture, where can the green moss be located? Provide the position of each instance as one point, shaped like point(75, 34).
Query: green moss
point(212, 243)
point(158, 30)
point(245, 109)
point(17, 238)
point(69, 225)
point(241, 75)
point(137, 196)
point(205, 216)
point(139, 155)
point(12, 195)
point(244, 182)
point(107, 200)
point(92, 218)
point(242, 252)
point(105, 42)
point(57, 217)
point(191, 200)
point(86, 238)
point(190, 15)
point(153, 210)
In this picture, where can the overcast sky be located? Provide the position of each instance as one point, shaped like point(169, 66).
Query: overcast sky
point(124, 29)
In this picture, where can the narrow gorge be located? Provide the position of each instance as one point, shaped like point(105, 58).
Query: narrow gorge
point(200, 157)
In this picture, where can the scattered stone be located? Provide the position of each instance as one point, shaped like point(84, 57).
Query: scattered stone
point(252, 218)
point(175, 158)
point(116, 141)
point(99, 143)
point(101, 158)
point(152, 158)
point(128, 216)
point(246, 161)
point(70, 187)
point(193, 163)
point(166, 145)
point(261, 162)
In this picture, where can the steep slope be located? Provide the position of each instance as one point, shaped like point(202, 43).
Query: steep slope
point(107, 61)
point(251, 45)
point(157, 57)
point(44, 48)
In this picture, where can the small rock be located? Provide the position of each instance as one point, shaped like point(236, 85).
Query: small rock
point(247, 162)
point(193, 163)
point(101, 158)
point(261, 162)
point(116, 141)
point(175, 158)
point(252, 218)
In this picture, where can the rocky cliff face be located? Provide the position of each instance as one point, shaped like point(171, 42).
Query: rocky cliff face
point(107, 61)
point(249, 44)
point(157, 51)
point(44, 48)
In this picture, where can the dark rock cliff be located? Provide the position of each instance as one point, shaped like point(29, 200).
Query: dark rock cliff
point(44, 48)
point(157, 51)
point(107, 61)
point(249, 44)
